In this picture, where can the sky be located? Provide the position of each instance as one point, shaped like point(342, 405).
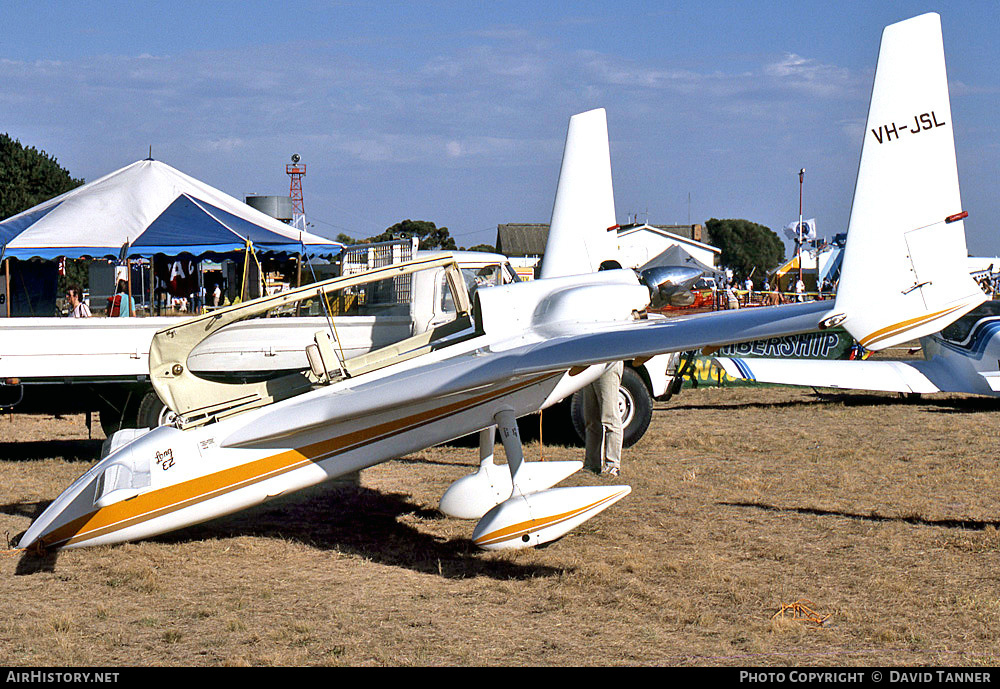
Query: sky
point(456, 112)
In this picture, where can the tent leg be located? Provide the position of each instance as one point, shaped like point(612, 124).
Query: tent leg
point(128, 274)
point(152, 286)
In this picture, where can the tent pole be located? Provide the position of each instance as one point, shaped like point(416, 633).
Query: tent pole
point(142, 284)
point(298, 280)
point(6, 277)
point(260, 270)
point(152, 285)
point(246, 266)
point(202, 296)
point(128, 273)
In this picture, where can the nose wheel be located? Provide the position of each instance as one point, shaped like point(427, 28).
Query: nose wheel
point(626, 406)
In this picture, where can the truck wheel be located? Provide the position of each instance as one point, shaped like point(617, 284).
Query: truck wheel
point(634, 402)
point(116, 407)
point(152, 412)
point(110, 419)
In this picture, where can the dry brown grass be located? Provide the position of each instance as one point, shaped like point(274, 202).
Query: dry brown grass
point(880, 511)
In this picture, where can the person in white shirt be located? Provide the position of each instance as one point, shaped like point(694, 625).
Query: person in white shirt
point(74, 296)
point(800, 290)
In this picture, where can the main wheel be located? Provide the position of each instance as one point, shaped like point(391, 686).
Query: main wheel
point(152, 412)
point(634, 404)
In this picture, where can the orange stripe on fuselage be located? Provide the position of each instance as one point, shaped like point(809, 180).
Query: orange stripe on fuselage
point(163, 501)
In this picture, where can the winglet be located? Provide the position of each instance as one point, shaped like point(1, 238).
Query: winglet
point(584, 209)
point(905, 269)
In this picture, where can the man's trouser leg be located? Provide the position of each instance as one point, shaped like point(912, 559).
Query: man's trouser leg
point(594, 435)
point(611, 422)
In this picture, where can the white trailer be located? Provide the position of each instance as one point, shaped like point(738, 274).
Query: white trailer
point(64, 366)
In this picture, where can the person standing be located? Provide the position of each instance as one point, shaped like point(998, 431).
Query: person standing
point(78, 308)
point(122, 304)
point(732, 302)
point(602, 418)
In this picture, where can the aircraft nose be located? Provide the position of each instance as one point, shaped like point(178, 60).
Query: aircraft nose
point(31, 536)
point(71, 505)
point(666, 281)
point(687, 275)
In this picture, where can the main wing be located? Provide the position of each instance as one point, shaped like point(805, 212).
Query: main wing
point(554, 350)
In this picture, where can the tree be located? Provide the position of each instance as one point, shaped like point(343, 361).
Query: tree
point(488, 248)
point(347, 239)
point(430, 235)
point(746, 247)
point(77, 273)
point(29, 177)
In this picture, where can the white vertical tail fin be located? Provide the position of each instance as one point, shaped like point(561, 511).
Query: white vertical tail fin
point(584, 206)
point(905, 270)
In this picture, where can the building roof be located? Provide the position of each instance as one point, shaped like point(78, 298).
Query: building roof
point(529, 239)
point(692, 232)
point(522, 239)
point(685, 234)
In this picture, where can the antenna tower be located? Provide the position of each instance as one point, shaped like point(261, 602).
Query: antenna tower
point(296, 171)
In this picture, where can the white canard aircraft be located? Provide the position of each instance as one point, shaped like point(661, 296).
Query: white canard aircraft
point(515, 349)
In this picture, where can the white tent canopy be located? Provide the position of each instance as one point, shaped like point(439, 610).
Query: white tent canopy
point(676, 255)
point(144, 209)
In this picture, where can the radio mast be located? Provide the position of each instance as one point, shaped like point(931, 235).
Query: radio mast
point(296, 171)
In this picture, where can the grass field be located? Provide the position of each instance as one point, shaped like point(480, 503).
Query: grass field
point(882, 513)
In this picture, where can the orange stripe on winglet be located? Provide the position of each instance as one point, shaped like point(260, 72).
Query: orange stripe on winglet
point(902, 327)
point(509, 533)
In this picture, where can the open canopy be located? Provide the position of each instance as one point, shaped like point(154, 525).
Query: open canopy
point(144, 209)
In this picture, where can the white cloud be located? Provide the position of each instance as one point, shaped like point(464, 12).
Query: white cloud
point(960, 88)
point(806, 75)
point(227, 144)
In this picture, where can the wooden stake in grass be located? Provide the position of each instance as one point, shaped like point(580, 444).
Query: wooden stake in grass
point(801, 611)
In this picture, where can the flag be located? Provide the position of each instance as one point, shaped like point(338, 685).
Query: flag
point(808, 229)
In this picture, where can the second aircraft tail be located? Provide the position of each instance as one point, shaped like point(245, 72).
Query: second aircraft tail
point(905, 270)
